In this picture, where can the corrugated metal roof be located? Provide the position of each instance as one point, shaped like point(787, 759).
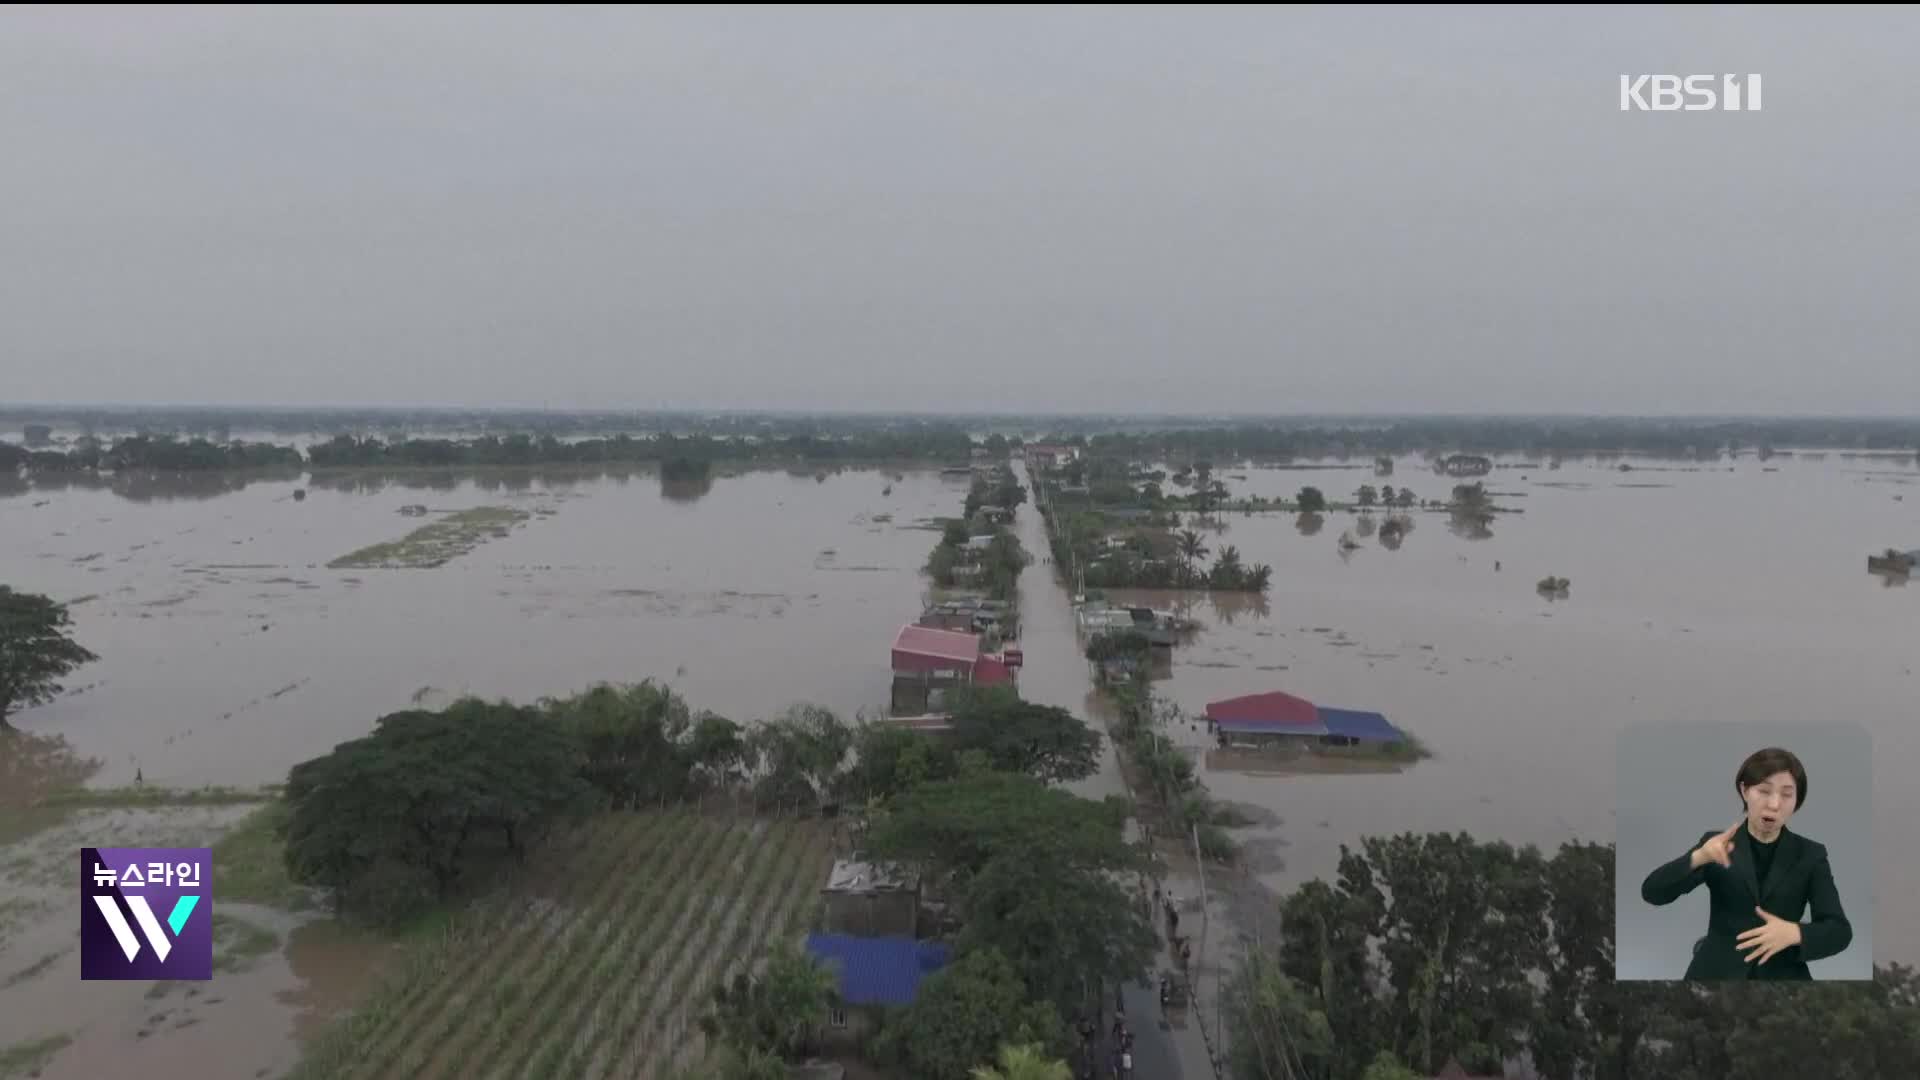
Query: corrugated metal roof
point(938, 644)
point(854, 875)
point(992, 671)
point(880, 970)
point(1369, 726)
point(1263, 727)
point(1270, 708)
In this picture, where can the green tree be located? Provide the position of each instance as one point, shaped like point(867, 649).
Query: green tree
point(1042, 741)
point(951, 829)
point(1385, 1066)
point(964, 1014)
point(1367, 495)
point(778, 1011)
point(1060, 928)
point(1192, 549)
point(1228, 572)
point(955, 534)
point(888, 760)
point(391, 821)
point(1471, 497)
point(36, 651)
point(801, 757)
point(1311, 500)
point(718, 751)
point(633, 741)
point(1277, 1031)
point(1024, 1062)
point(1387, 495)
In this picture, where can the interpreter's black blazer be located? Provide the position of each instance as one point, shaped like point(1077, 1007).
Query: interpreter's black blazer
point(1799, 878)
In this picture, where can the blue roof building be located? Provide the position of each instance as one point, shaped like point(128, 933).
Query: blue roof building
point(1359, 726)
point(878, 970)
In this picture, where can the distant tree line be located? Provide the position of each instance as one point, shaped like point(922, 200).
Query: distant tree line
point(1704, 438)
point(168, 454)
point(151, 453)
point(1304, 435)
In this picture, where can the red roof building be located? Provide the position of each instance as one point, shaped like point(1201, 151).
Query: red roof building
point(1273, 708)
point(924, 653)
point(923, 649)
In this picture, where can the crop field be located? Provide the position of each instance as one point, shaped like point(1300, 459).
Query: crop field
point(596, 960)
point(434, 545)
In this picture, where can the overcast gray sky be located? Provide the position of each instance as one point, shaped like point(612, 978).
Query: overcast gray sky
point(1171, 210)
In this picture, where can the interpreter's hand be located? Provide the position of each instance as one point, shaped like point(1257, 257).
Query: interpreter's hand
point(1717, 848)
point(1766, 940)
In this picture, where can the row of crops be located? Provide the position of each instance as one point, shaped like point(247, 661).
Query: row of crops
point(595, 960)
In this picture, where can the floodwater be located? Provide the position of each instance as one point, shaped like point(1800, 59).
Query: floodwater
point(229, 652)
point(1735, 591)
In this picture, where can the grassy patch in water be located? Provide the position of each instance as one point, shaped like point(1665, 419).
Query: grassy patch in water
point(35, 968)
point(236, 942)
point(249, 864)
point(148, 798)
point(435, 544)
point(28, 1058)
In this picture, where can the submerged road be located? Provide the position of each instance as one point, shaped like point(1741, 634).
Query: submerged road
point(1056, 673)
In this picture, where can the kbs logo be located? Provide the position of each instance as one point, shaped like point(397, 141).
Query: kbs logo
point(165, 890)
point(1689, 93)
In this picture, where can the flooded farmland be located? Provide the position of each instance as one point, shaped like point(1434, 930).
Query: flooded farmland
point(230, 650)
point(1719, 592)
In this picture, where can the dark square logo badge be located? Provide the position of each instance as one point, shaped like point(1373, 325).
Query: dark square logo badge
point(146, 913)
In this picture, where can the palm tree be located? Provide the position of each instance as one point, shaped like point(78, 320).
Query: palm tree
point(1027, 1062)
point(1192, 550)
point(1227, 571)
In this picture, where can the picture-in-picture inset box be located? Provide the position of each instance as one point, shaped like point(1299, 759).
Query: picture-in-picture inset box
point(1744, 851)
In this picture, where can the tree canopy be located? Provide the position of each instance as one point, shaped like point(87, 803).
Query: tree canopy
point(953, 828)
point(1042, 741)
point(778, 1011)
point(1024, 1062)
point(964, 1014)
point(36, 650)
point(393, 820)
point(1433, 947)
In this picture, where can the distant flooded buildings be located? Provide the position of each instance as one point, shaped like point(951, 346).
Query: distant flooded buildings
point(1466, 465)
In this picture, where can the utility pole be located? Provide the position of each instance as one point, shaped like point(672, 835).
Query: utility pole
point(1206, 920)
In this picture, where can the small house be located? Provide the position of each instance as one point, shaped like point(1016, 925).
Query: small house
point(1284, 722)
point(874, 974)
point(927, 662)
point(1467, 465)
point(1051, 455)
point(864, 899)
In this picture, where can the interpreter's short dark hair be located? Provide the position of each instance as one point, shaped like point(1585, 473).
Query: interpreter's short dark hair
point(1764, 763)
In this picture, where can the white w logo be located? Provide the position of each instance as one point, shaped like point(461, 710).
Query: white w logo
point(148, 924)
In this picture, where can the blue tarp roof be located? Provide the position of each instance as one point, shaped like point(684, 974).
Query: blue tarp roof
point(878, 971)
point(1369, 726)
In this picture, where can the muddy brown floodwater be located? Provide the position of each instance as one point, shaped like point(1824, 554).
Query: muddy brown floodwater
point(1725, 592)
point(229, 652)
